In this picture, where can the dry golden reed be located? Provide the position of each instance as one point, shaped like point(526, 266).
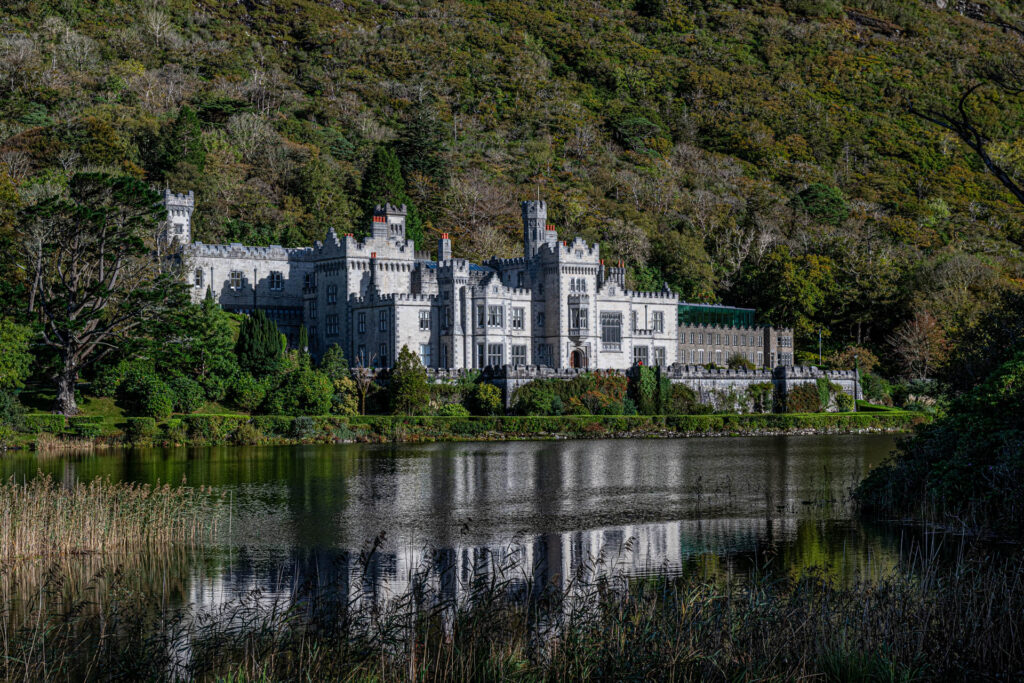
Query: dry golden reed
point(43, 517)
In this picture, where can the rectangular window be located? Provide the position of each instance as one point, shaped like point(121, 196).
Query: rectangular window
point(693, 337)
point(700, 356)
point(519, 279)
point(693, 356)
point(199, 277)
point(447, 317)
point(718, 356)
point(312, 309)
point(495, 316)
point(735, 340)
point(425, 355)
point(611, 330)
point(382, 321)
point(701, 337)
point(578, 319)
point(332, 294)
point(760, 358)
point(494, 353)
point(276, 281)
point(658, 320)
point(332, 325)
point(361, 318)
point(481, 315)
point(481, 355)
point(519, 354)
point(640, 356)
point(424, 321)
point(719, 339)
point(383, 357)
point(236, 280)
point(444, 355)
point(634, 321)
point(659, 356)
point(540, 320)
point(518, 317)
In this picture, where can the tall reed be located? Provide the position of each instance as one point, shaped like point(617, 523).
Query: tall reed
point(42, 517)
point(931, 621)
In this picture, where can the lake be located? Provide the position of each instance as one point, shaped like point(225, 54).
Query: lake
point(370, 517)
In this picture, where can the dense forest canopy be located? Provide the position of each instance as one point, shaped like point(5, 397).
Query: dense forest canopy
point(758, 153)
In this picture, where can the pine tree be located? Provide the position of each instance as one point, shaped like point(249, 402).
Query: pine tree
point(382, 183)
point(183, 141)
point(421, 145)
point(259, 348)
point(408, 384)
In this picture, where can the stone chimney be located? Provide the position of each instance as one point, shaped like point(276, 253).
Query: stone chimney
point(444, 248)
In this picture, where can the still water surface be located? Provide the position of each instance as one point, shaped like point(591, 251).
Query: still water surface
point(725, 505)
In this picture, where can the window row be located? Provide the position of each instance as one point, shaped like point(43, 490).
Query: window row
point(718, 338)
point(494, 355)
point(643, 355)
point(275, 280)
point(716, 357)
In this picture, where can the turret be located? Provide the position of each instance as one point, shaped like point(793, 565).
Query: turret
point(389, 222)
point(179, 216)
point(535, 219)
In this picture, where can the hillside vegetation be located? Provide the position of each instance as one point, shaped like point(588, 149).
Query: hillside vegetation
point(754, 153)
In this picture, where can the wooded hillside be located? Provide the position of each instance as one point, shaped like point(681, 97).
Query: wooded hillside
point(753, 153)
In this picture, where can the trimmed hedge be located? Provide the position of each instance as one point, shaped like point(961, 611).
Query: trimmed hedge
point(213, 429)
point(46, 422)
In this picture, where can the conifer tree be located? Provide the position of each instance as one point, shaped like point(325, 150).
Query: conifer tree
point(259, 348)
point(183, 141)
point(408, 385)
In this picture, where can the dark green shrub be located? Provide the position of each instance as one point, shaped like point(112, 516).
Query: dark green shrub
point(844, 402)
point(211, 428)
point(303, 427)
point(52, 424)
point(12, 413)
point(137, 429)
point(453, 410)
point(246, 392)
point(303, 391)
point(175, 431)
point(87, 430)
point(259, 348)
point(246, 434)
point(189, 396)
point(876, 389)
point(486, 399)
point(277, 425)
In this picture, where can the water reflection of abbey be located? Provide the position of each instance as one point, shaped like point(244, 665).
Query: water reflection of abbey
point(643, 508)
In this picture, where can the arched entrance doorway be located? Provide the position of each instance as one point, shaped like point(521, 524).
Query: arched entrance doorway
point(578, 359)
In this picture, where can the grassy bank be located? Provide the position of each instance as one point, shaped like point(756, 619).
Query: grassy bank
point(244, 429)
point(933, 623)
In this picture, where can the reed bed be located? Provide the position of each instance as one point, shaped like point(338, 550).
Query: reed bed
point(56, 445)
point(41, 518)
point(932, 621)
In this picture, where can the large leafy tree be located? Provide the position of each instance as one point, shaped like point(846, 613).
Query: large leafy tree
point(197, 341)
point(15, 358)
point(95, 275)
point(408, 384)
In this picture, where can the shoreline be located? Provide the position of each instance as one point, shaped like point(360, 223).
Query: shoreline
point(240, 430)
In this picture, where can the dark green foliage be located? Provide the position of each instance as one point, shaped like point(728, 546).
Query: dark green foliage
point(761, 397)
point(140, 429)
point(453, 410)
point(966, 468)
point(643, 387)
point(302, 391)
point(844, 402)
point(143, 393)
point(303, 428)
point(486, 400)
point(537, 398)
point(51, 424)
point(407, 386)
point(824, 203)
point(182, 142)
point(189, 396)
point(333, 363)
point(259, 349)
point(12, 413)
point(875, 388)
point(738, 361)
point(824, 392)
point(246, 392)
point(422, 143)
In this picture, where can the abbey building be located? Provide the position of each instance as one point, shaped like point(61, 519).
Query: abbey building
point(558, 305)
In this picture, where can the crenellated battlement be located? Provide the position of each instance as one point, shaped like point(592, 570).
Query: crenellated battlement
point(236, 250)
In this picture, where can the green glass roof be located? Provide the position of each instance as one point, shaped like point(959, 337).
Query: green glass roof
point(714, 314)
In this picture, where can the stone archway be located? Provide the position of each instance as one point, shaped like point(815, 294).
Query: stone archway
point(578, 359)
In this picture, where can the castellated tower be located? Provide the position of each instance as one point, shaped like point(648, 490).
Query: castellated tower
point(389, 222)
point(535, 221)
point(179, 216)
